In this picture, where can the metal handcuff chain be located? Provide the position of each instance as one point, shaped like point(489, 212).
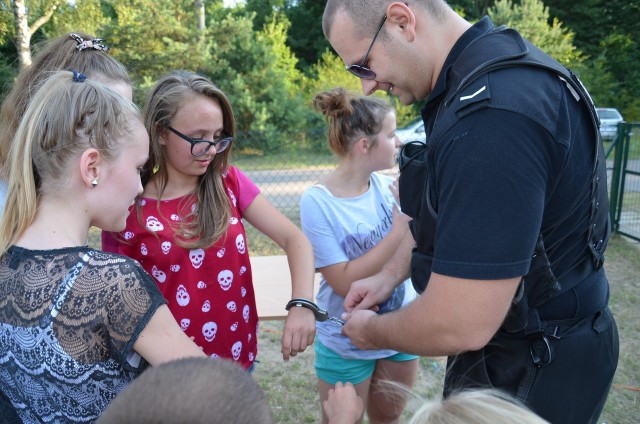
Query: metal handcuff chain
point(320, 314)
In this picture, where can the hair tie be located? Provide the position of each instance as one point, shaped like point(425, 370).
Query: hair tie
point(94, 44)
point(78, 76)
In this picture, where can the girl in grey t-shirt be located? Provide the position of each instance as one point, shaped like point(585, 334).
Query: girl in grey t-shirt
point(354, 225)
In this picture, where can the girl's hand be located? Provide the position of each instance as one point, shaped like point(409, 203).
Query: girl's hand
point(394, 187)
point(299, 332)
point(400, 220)
point(343, 405)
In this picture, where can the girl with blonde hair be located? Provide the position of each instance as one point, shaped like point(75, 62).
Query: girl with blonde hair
point(75, 50)
point(76, 324)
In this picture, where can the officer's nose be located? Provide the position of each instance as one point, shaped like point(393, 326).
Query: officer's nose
point(368, 86)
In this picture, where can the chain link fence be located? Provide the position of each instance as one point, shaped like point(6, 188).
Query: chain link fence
point(624, 162)
point(283, 166)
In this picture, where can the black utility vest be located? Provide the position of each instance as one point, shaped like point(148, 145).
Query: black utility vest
point(497, 49)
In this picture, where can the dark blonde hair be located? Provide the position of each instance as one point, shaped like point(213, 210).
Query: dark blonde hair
point(205, 226)
point(59, 54)
point(480, 406)
point(350, 116)
point(63, 119)
point(191, 390)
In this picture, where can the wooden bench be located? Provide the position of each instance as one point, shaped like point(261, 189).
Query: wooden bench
point(272, 285)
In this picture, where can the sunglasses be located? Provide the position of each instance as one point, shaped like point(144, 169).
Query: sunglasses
point(361, 71)
point(200, 146)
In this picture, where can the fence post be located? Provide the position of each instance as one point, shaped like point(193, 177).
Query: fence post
point(618, 149)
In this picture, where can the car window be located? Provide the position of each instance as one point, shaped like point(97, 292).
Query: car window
point(608, 114)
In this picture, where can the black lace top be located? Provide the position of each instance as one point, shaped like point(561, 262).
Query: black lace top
point(68, 322)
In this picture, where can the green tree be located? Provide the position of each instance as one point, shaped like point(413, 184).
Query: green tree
point(86, 16)
point(608, 32)
point(531, 19)
point(305, 36)
point(330, 72)
point(154, 37)
point(27, 19)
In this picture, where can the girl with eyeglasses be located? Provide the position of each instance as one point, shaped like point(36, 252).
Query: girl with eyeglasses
point(354, 225)
point(186, 228)
point(77, 325)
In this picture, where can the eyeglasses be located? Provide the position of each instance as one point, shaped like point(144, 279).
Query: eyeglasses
point(200, 146)
point(361, 71)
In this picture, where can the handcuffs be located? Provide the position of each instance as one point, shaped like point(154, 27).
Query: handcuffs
point(320, 314)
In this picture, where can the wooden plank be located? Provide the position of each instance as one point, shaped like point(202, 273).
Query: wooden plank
point(272, 285)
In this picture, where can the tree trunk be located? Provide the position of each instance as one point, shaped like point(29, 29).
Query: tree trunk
point(23, 34)
point(200, 19)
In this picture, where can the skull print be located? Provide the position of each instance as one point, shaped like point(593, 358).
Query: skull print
point(245, 313)
point(236, 349)
point(196, 256)
point(184, 323)
point(166, 247)
point(154, 224)
point(206, 306)
point(158, 274)
point(182, 296)
point(225, 279)
point(232, 196)
point(240, 244)
point(209, 331)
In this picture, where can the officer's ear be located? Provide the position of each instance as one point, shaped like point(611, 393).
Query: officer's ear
point(402, 19)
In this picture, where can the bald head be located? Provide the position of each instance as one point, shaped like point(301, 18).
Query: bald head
point(366, 14)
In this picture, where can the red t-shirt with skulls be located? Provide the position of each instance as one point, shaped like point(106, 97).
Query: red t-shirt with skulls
point(210, 292)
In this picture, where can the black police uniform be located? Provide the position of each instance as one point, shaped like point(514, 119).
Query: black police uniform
point(512, 182)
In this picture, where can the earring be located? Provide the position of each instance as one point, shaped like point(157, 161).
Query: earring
point(94, 183)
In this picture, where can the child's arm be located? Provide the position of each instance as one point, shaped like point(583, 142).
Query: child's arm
point(340, 276)
point(162, 340)
point(343, 405)
point(300, 327)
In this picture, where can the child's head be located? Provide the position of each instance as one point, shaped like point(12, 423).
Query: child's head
point(166, 109)
point(191, 390)
point(185, 106)
point(62, 53)
point(73, 136)
point(475, 407)
point(352, 117)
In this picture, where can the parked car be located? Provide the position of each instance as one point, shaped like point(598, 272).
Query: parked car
point(414, 131)
point(609, 120)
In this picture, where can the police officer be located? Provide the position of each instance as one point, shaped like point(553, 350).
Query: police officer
point(509, 204)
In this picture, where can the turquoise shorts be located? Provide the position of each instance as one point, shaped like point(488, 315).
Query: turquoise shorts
point(332, 368)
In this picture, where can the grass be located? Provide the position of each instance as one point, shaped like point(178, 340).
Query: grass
point(291, 387)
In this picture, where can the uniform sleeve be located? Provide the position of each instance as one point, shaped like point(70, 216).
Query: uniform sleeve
point(247, 190)
point(132, 300)
point(316, 224)
point(491, 184)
